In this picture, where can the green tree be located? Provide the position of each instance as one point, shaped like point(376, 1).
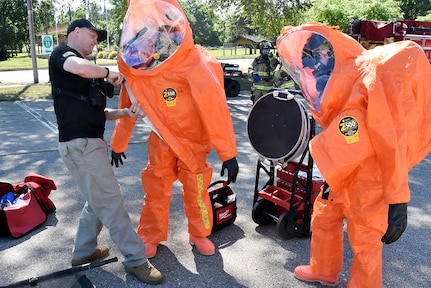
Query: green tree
point(414, 8)
point(116, 18)
point(427, 17)
point(91, 11)
point(267, 17)
point(341, 12)
point(43, 15)
point(202, 19)
point(13, 26)
point(234, 24)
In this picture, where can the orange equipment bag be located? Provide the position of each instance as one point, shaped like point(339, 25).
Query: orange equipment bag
point(25, 206)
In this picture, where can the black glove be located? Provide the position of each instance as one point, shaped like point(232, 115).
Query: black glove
point(117, 157)
point(232, 170)
point(397, 220)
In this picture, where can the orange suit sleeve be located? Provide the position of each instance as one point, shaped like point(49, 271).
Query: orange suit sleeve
point(210, 99)
point(123, 126)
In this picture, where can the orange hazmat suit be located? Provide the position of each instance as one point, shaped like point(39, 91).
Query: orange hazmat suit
point(373, 108)
point(179, 86)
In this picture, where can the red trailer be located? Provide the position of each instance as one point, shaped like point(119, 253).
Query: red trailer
point(371, 33)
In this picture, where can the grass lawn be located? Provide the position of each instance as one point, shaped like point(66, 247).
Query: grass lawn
point(23, 92)
point(22, 62)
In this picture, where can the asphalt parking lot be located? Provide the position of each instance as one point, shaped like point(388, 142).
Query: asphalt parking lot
point(247, 255)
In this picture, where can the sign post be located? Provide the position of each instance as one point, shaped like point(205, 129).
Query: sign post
point(32, 41)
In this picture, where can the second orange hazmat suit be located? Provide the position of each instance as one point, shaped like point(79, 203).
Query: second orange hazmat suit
point(179, 86)
point(374, 113)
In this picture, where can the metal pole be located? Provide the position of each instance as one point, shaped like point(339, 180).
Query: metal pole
point(107, 28)
point(56, 27)
point(32, 42)
point(87, 9)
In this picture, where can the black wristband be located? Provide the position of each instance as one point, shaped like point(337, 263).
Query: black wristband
point(107, 72)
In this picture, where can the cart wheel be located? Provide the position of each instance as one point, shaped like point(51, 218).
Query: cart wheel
point(285, 226)
point(262, 211)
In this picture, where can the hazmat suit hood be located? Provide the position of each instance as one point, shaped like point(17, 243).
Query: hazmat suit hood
point(179, 85)
point(320, 58)
point(153, 31)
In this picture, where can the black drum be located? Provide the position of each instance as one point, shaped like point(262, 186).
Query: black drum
point(278, 126)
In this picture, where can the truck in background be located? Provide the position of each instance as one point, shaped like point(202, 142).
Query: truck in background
point(371, 33)
point(232, 73)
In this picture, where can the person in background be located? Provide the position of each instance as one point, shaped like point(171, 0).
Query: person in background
point(79, 95)
point(189, 117)
point(262, 69)
point(282, 79)
point(371, 105)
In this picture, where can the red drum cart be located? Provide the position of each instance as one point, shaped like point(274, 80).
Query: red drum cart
point(279, 129)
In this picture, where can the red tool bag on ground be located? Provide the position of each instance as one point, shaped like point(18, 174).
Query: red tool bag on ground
point(223, 200)
point(25, 206)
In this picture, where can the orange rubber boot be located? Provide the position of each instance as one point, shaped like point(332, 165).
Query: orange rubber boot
point(304, 273)
point(150, 250)
point(203, 245)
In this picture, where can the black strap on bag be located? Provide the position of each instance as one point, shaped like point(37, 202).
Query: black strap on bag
point(32, 190)
point(221, 193)
point(217, 182)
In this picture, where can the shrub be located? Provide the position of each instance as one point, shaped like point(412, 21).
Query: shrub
point(112, 55)
point(102, 55)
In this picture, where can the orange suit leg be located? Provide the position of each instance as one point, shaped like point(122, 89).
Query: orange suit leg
point(367, 221)
point(197, 203)
point(157, 180)
point(366, 215)
point(326, 252)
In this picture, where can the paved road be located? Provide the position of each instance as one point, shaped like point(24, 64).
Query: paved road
point(24, 77)
point(247, 255)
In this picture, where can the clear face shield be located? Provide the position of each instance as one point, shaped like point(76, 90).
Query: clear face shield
point(309, 59)
point(152, 35)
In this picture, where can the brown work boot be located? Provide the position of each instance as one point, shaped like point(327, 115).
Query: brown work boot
point(101, 252)
point(304, 273)
point(203, 245)
point(146, 273)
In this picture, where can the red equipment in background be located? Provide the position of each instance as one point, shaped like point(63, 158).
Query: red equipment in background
point(287, 198)
point(371, 33)
point(279, 128)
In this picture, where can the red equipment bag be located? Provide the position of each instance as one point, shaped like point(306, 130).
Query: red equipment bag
point(31, 208)
point(223, 200)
